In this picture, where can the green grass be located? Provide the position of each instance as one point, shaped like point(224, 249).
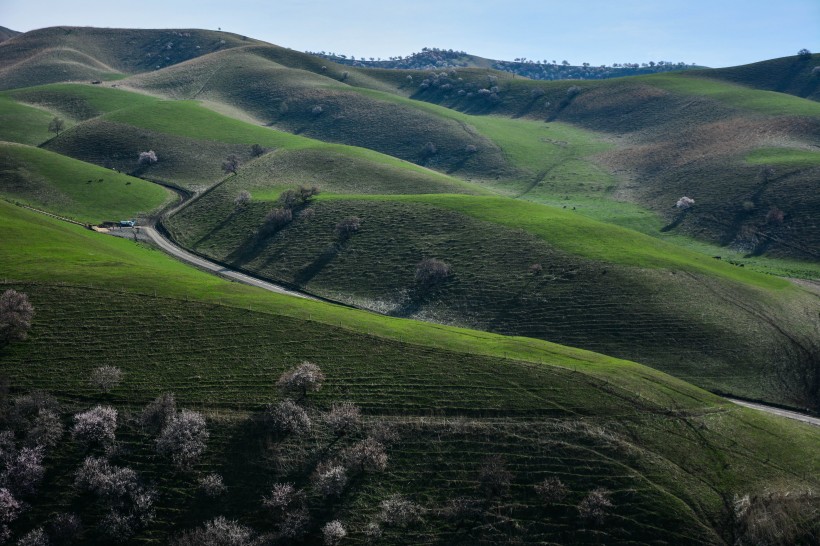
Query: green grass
point(79, 102)
point(74, 189)
point(784, 156)
point(661, 445)
point(23, 124)
point(765, 102)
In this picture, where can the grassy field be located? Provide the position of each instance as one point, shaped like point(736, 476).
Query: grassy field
point(72, 188)
point(659, 444)
point(23, 124)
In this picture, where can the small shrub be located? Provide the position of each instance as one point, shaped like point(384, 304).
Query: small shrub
point(471, 148)
point(316, 110)
point(299, 197)
point(431, 271)
point(373, 532)
point(278, 218)
point(429, 150)
point(306, 377)
point(105, 378)
point(184, 438)
point(573, 91)
point(551, 490)
point(16, 314)
point(257, 150)
point(344, 418)
point(330, 480)
point(685, 203)
point(242, 199)
point(537, 93)
point(493, 477)
point(286, 417)
point(804, 54)
point(536, 269)
point(157, 413)
point(95, 426)
point(147, 158)
point(595, 507)
point(345, 75)
point(212, 485)
point(463, 509)
point(333, 532)
point(397, 511)
point(347, 227)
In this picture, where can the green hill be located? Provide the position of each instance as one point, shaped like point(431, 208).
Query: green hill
point(672, 455)
point(60, 54)
point(72, 188)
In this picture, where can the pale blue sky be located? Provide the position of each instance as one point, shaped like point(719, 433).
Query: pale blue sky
point(708, 32)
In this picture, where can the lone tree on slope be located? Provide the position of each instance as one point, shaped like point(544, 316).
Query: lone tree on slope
point(56, 125)
point(16, 313)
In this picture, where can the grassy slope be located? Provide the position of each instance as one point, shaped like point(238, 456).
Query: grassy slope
point(588, 418)
point(72, 188)
point(791, 75)
point(606, 289)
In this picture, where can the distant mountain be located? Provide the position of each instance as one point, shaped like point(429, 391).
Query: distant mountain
point(7, 33)
point(434, 58)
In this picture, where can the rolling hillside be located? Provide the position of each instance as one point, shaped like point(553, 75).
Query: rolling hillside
point(617, 302)
point(672, 455)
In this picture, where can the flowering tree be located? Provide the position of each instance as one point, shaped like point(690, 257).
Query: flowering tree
point(242, 199)
point(397, 511)
point(16, 313)
point(23, 470)
point(212, 485)
point(183, 438)
point(333, 532)
point(287, 417)
point(685, 203)
point(306, 377)
point(95, 426)
point(218, 532)
point(105, 378)
point(147, 158)
point(595, 506)
point(551, 490)
point(330, 480)
point(157, 413)
point(344, 418)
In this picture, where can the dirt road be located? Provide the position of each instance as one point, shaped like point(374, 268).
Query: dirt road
point(202, 263)
point(777, 411)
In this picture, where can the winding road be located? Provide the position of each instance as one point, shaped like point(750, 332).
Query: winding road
point(777, 411)
point(182, 254)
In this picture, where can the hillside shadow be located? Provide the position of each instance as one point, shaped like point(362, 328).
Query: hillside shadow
point(307, 273)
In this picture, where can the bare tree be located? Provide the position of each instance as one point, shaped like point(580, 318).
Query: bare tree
point(397, 511)
point(218, 532)
point(64, 528)
point(56, 125)
point(242, 199)
point(333, 532)
point(257, 150)
point(105, 378)
point(212, 485)
point(306, 377)
point(493, 477)
point(184, 438)
point(595, 506)
point(95, 426)
point(775, 216)
point(231, 164)
point(344, 418)
point(330, 480)
point(367, 454)
point(551, 490)
point(431, 271)
point(347, 227)
point(278, 218)
point(157, 413)
point(16, 313)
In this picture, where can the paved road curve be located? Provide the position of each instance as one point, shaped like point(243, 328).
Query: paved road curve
point(777, 411)
point(202, 263)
